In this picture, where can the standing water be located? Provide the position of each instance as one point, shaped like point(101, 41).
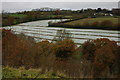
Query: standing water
point(40, 31)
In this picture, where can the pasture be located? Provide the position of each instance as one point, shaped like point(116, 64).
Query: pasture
point(18, 15)
point(92, 20)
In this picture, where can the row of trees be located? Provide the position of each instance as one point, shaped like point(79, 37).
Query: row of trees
point(99, 54)
point(114, 11)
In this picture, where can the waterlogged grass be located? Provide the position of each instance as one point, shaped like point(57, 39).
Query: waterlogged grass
point(92, 20)
point(8, 72)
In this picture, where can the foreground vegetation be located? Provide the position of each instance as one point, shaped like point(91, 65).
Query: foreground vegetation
point(63, 59)
point(9, 72)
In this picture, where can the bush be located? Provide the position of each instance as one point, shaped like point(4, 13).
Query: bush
point(101, 52)
point(43, 54)
point(16, 50)
point(88, 49)
point(65, 48)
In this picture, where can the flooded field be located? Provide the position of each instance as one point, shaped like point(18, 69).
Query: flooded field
point(40, 31)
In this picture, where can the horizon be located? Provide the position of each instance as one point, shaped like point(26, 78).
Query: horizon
point(21, 6)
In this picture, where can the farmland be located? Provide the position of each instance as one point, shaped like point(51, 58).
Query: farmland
point(106, 23)
point(18, 15)
point(92, 20)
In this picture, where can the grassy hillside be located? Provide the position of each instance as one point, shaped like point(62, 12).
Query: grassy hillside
point(18, 15)
point(107, 23)
point(92, 20)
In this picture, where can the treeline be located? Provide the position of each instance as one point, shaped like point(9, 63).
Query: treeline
point(114, 11)
point(106, 24)
point(95, 58)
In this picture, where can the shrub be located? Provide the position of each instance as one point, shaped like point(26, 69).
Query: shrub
point(65, 48)
point(101, 52)
point(88, 49)
point(43, 54)
point(16, 50)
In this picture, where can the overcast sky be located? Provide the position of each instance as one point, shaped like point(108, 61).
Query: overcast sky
point(22, 5)
point(60, 0)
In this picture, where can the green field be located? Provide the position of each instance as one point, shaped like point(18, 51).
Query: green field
point(9, 72)
point(18, 15)
point(92, 20)
point(48, 16)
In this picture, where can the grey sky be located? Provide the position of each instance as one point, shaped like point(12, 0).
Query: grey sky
point(21, 6)
point(60, 0)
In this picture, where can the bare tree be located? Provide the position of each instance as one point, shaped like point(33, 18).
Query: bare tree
point(61, 35)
